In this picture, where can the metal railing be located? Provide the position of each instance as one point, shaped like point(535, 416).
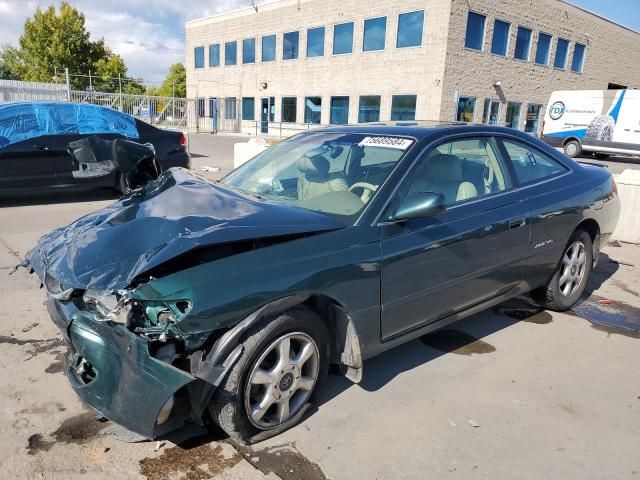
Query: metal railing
point(164, 112)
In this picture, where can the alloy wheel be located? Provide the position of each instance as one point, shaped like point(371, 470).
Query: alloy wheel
point(572, 269)
point(282, 380)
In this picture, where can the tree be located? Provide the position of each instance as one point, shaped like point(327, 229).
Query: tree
point(6, 71)
point(54, 41)
point(177, 77)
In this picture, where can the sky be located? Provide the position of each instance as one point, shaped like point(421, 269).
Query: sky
point(149, 34)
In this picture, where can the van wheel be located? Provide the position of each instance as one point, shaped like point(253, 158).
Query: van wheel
point(572, 148)
point(601, 156)
point(571, 276)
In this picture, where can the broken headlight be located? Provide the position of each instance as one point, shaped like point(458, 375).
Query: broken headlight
point(154, 319)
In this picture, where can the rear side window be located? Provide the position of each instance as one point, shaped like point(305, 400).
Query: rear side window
point(530, 164)
point(460, 170)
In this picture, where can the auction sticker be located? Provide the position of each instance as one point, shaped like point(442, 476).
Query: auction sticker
point(386, 142)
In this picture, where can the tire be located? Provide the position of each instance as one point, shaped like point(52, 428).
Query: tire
point(601, 156)
point(572, 148)
point(121, 185)
point(236, 396)
point(601, 128)
point(555, 295)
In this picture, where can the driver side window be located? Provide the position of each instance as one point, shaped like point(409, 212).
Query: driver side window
point(460, 170)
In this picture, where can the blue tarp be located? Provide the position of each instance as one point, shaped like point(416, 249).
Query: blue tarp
point(22, 121)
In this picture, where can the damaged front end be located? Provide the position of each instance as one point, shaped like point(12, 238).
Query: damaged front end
point(146, 358)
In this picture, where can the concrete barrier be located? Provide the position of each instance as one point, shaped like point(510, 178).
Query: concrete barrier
point(628, 229)
point(243, 152)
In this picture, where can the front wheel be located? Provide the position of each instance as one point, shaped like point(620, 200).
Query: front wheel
point(571, 276)
point(284, 361)
point(572, 148)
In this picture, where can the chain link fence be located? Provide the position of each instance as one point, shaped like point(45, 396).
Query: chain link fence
point(194, 115)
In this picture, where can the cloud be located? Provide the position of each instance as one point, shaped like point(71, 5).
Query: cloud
point(148, 34)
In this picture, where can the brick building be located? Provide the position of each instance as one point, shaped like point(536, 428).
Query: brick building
point(345, 61)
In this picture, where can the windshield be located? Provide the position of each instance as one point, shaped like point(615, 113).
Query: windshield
point(334, 173)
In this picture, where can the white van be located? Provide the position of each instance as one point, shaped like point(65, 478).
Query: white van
point(600, 121)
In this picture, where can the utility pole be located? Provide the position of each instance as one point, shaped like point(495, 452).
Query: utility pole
point(68, 82)
point(120, 90)
point(173, 101)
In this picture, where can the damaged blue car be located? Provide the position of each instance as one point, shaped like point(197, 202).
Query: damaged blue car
point(188, 300)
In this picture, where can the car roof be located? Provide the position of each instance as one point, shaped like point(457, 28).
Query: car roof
point(419, 129)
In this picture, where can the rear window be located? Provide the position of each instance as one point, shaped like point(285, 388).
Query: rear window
point(530, 164)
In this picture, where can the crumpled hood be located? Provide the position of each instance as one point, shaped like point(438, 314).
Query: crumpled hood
point(174, 214)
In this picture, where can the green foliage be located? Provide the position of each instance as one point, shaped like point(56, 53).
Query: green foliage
point(177, 77)
point(7, 64)
point(54, 40)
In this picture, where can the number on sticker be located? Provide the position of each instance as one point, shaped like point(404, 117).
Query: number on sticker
point(386, 142)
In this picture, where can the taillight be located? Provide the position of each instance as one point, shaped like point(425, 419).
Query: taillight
point(614, 186)
point(183, 140)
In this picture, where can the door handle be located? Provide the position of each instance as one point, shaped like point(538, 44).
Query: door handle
point(517, 223)
point(41, 147)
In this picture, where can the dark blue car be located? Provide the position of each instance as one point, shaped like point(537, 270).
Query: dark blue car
point(34, 139)
point(190, 300)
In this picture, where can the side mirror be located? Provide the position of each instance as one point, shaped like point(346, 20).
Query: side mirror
point(419, 205)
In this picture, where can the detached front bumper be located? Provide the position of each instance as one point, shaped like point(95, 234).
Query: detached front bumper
point(110, 369)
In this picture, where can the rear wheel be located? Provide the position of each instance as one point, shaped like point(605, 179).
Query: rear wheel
point(279, 373)
point(570, 278)
point(572, 148)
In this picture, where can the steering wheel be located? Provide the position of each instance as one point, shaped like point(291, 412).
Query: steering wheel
point(368, 190)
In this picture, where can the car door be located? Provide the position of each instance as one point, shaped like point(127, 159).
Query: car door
point(477, 249)
point(25, 156)
point(555, 200)
point(27, 164)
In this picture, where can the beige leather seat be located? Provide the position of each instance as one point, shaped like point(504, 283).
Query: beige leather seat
point(443, 173)
point(315, 179)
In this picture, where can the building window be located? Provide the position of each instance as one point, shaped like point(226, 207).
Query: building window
point(249, 50)
point(369, 110)
point(315, 42)
point(290, 45)
point(466, 109)
point(214, 55)
point(343, 38)
point(562, 49)
point(523, 44)
point(201, 112)
point(269, 48)
point(491, 112)
point(312, 109)
point(500, 42)
point(231, 53)
point(474, 38)
point(533, 118)
point(513, 115)
point(230, 108)
point(544, 49)
point(403, 107)
point(248, 108)
point(410, 26)
point(339, 112)
point(289, 109)
point(375, 31)
point(578, 58)
point(198, 54)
